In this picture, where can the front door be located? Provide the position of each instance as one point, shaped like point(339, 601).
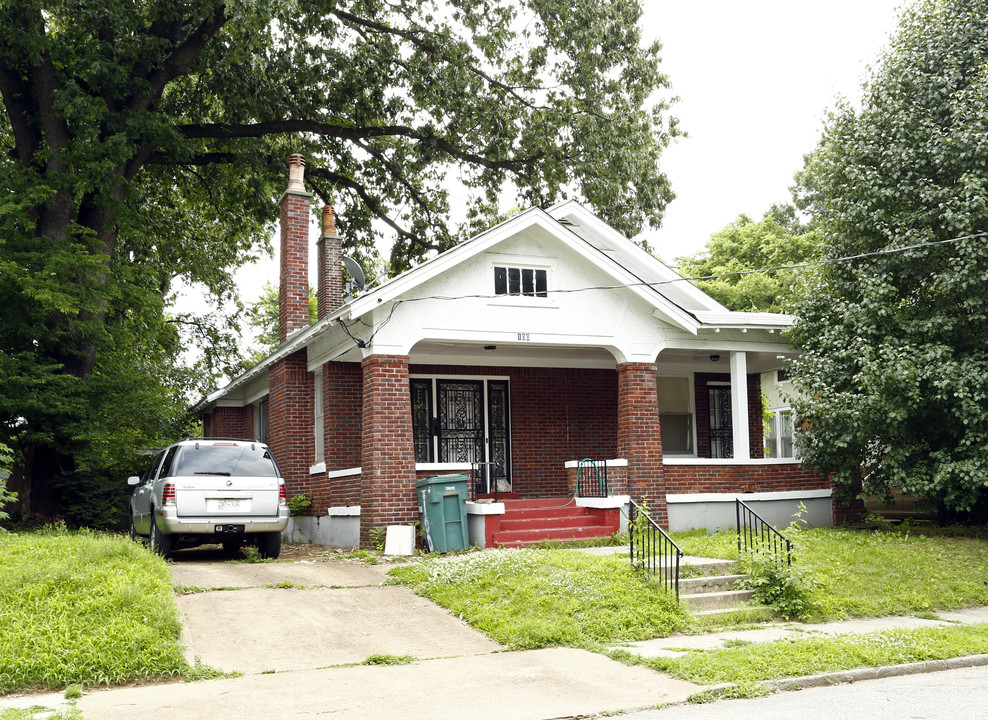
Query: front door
point(464, 421)
point(721, 423)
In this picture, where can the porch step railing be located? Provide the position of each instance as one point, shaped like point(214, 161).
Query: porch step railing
point(652, 550)
point(591, 478)
point(483, 481)
point(757, 535)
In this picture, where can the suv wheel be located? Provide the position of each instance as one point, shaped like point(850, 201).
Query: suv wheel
point(160, 543)
point(269, 544)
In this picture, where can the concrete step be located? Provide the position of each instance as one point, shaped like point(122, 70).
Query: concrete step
point(724, 599)
point(708, 584)
point(533, 536)
point(560, 521)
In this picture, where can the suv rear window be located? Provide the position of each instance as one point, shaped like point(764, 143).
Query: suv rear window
point(227, 460)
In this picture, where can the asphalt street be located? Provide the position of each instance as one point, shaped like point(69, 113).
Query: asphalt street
point(950, 694)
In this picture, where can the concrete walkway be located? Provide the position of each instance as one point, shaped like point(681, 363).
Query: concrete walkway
point(298, 630)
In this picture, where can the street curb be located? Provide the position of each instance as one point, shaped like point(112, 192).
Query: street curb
point(850, 676)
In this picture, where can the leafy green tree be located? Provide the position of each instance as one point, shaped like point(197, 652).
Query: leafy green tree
point(145, 143)
point(777, 240)
point(262, 316)
point(894, 372)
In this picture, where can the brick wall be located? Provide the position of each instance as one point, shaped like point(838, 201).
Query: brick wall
point(290, 420)
point(557, 415)
point(639, 439)
point(773, 477)
point(233, 422)
point(329, 268)
point(293, 290)
point(387, 495)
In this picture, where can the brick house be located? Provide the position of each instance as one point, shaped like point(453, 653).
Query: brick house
point(542, 341)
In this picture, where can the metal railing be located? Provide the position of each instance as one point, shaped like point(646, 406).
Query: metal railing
point(755, 534)
point(483, 482)
point(652, 550)
point(591, 478)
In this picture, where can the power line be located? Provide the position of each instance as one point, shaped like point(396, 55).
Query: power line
point(795, 266)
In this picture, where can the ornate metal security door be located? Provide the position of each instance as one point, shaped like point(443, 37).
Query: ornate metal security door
point(721, 423)
point(499, 443)
point(461, 420)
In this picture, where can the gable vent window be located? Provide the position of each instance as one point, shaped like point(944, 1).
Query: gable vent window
point(520, 281)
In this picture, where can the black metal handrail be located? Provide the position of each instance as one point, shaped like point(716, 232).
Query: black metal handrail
point(755, 533)
point(652, 550)
point(483, 483)
point(591, 478)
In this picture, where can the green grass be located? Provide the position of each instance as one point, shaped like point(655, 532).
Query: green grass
point(539, 598)
point(84, 608)
point(812, 655)
point(860, 573)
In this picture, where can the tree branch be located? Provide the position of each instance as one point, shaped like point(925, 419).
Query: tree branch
point(346, 132)
point(178, 63)
point(369, 200)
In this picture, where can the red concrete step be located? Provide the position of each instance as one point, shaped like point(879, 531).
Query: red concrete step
point(512, 522)
point(521, 538)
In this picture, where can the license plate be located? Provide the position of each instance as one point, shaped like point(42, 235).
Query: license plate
point(227, 504)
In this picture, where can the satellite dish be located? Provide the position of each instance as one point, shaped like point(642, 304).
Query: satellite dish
point(356, 272)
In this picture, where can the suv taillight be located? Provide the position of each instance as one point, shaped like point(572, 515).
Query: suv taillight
point(168, 494)
point(282, 493)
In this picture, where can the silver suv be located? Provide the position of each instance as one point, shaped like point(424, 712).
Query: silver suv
point(210, 490)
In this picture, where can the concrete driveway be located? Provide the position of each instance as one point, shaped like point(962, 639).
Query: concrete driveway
point(297, 632)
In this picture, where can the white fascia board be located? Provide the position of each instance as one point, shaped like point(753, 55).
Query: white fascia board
point(747, 320)
point(635, 251)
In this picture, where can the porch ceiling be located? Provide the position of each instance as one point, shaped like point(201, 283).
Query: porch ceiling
point(510, 355)
point(701, 361)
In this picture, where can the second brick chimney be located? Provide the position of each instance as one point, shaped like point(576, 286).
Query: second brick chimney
point(293, 295)
point(330, 265)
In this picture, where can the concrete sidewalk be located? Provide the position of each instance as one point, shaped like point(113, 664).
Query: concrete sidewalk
point(676, 645)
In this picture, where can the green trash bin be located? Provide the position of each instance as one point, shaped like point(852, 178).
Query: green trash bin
point(443, 512)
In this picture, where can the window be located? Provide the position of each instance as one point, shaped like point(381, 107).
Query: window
point(318, 425)
point(675, 415)
point(261, 420)
point(779, 438)
point(531, 282)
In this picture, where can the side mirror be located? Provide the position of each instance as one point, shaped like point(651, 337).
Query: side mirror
point(133, 480)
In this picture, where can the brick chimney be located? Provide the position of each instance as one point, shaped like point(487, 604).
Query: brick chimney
point(293, 295)
point(330, 265)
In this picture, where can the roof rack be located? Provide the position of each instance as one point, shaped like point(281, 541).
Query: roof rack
point(228, 439)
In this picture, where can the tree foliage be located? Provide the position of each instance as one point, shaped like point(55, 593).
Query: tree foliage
point(894, 370)
point(146, 146)
point(777, 240)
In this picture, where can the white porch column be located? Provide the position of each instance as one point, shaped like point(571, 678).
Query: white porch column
point(739, 405)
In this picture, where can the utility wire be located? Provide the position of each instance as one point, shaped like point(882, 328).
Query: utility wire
point(795, 266)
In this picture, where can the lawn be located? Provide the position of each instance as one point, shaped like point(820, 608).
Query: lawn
point(84, 608)
point(540, 598)
point(861, 573)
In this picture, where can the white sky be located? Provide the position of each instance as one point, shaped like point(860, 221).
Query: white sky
point(754, 81)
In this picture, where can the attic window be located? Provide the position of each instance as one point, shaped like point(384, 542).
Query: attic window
point(531, 282)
